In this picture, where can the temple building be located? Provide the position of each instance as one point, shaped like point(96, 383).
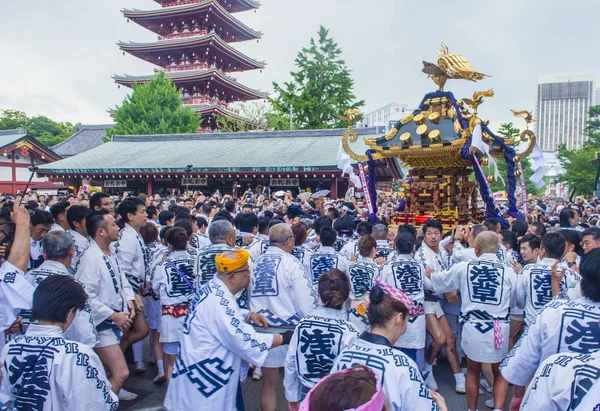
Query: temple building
point(227, 162)
point(194, 50)
point(18, 152)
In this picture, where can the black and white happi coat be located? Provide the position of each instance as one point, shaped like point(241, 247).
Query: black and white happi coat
point(561, 326)
point(565, 381)
point(44, 371)
point(488, 290)
point(81, 243)
point(401, 380)
point(214, 342)
point(323, 260)
point(534, 287)
point(16, 294)
point(82, 328)
point(129, 252)
point(316, 343)
point(407, 274)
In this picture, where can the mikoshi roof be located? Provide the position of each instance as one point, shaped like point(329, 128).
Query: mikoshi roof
point(297, 150)
point(85, 138)
point(154, 19)
point(211, 39)
point(430, 137)
point(232, 6)
point(195, 77)
point(11, 137)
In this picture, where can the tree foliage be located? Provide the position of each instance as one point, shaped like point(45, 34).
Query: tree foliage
point(42, 128)
point(319, 90)
point(507, 130)
point(154, 108)
point(578, 172)
point(256, 115)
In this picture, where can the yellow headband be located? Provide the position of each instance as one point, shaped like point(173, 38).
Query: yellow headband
point(227, 265)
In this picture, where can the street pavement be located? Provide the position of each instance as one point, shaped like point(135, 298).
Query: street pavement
point(151, 396)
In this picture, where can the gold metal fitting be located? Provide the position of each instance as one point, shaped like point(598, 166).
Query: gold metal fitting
point(460, 103)
point(435, 135)
point(517, 159)
point(420, 119)
point(407, 119)
point(484, 161)
point(491, 179)
point(406, 138)
point(517, 173)
point(435, 118)
point(422, 129)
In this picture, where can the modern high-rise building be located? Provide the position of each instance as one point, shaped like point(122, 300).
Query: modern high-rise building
point(387, 115)
point(563, 102)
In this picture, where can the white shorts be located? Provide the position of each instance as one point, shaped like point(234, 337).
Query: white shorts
point(153, 311)
point(170, 328)
point(107, 338)
point(171, 348)
point(276, 357)
point(433, 307)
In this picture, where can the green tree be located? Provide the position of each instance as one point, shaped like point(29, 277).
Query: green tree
point(255, 115)
point(320, 90)
point(47, 131)
point(507, 130)
point(154, 108)
point(578, 172)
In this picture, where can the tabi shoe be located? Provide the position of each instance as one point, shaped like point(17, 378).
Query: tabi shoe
point(159, 379)
point(460, 385)
point(125, 395)
point(257, 374)
point(430, 382)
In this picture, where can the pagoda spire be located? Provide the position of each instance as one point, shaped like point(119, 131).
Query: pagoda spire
point(193, 49)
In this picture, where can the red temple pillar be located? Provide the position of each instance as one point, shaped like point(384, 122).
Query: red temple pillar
point(150, 180)
point(334, 188)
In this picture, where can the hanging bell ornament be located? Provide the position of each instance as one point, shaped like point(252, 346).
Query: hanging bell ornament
point(517, 173)
point(516, 159)
point(491, 179)
point(484, 161)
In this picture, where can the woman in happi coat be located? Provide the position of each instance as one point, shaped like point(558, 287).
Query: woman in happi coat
point(388, 315)
point(173, 282)
point(301, 251)
point(318, 338)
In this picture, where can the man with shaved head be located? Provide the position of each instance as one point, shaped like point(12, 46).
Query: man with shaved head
point(280, 289)
point(488, 290)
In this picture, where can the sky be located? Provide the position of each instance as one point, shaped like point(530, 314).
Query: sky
point(57, 57)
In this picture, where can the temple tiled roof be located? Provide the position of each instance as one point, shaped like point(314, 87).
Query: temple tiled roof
point(86, 137)
point(191, 76)
point(181, 43)
point(10, 137)
point(139, 16)
point(298, 150)
point(234, 5)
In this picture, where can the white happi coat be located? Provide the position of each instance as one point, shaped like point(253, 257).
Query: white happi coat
point(199, 240)
point(400, 377)
point(384, 249)
point(563, 382)
point(342, 240)
point(256, 248)
point(488, 290)
point(363, 274)
point(105, 284)
point(534, 287)
point(129, 252)
point(461, 253)
point(155, 253)
point(317, 341)
point(323, 260)
point(437, 262)
point(82, 328)
point(349, 250)
point(302, 253)
point(16, 294)
point(214, 342)
point(81, 244)
point(281, 289)
point(65, 375)
point(561, 326)
point(407, 274)
point(172, 289)
point(205, 267)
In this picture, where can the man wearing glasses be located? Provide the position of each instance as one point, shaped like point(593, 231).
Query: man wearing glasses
point(99, 201)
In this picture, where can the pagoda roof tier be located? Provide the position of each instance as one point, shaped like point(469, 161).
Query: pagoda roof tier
point(232, 6)
point(160, 52)
point(199, 79)
point(206, 13)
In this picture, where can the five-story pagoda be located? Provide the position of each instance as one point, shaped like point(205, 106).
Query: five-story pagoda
point(193, 50)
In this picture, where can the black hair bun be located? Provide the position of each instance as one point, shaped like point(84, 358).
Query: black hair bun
point(376, 295)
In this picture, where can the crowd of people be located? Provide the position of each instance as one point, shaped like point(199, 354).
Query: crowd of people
point(356, 313)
